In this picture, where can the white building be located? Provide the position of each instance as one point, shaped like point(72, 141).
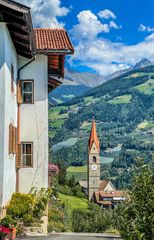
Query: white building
point(31, 65)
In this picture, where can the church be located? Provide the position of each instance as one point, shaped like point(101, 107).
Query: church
point(101, 192)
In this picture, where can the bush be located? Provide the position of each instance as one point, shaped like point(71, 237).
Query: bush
point(21, 208)
point(93, 219)
point(8, 222)
point(135, 219)
point(56, 219)
point(26, 209)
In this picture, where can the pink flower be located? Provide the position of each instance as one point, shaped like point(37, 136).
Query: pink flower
point(53, 168)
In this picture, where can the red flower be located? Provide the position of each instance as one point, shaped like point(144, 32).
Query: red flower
point(4, 229)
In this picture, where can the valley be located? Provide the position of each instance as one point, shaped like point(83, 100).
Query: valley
point(123, 110)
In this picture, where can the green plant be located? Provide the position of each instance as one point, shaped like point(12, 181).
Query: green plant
point(40, 202)
point(56, 218)
point(8, 222)
point(93, 219)
point(134, 219)
point(21, 207)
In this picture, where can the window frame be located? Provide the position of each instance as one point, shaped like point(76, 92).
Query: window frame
point(31, 81)
point(32, 151)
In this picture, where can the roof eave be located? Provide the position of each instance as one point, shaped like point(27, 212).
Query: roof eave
point(57, 52)
point(17, 28)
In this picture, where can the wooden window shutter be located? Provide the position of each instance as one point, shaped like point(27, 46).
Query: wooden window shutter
point(61, 65)
point(18, 156)
point(19, 92)
point(14, 140)
point(10, 139)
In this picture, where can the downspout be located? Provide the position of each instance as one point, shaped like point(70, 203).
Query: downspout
point(18, 120)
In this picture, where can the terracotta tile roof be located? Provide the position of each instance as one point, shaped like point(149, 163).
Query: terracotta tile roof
point(103, 185)
point(94, 137)
point(112, 194)
point(105, 202)
point(48, 39)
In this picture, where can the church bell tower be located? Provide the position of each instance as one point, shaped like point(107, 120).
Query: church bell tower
point(93, 162)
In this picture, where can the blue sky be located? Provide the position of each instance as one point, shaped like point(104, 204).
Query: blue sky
point(108, 35)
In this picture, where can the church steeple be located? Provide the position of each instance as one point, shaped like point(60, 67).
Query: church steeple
point(93, 162)
point(93, 137)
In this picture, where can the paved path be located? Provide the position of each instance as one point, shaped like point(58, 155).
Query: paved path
point(75, 236)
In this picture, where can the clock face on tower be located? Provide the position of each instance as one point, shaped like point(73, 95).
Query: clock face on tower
point(94, 167)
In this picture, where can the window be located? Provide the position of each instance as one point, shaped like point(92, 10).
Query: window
point(28, 91)
point(12, 78)
point(94, 159)
point(27, 154)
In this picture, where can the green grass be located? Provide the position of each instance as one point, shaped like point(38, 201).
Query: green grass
point(79, 176)
point(73, 169)
point(146, 125)
point(86, 126)
point(147, 87)
point(57, 123)
point(54, 113)
point(121, 99)
point(51, 134)
point(73, 202)
point(143, 125)
point(90, 99)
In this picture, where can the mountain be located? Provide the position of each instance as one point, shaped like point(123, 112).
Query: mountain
point(77, 83)
point(123, 110)
point(67, 91)
point(84, 78)
point(143, 63)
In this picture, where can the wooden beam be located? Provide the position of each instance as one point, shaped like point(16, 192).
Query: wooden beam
point(23, 37)
point(20, 44)
point(13, 17)
point(24, 54)
point(17, 27)
point(14, 6)
point(12, 13)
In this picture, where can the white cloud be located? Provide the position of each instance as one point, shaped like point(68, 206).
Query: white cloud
point(106, 14)
point(88, 27)
point(112, 24)
point(45, 12)
point(106, 57)
point(143, 28)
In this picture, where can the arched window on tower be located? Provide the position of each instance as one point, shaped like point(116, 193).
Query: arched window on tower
point(94, 159)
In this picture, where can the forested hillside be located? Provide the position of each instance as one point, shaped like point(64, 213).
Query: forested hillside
point(124, 111)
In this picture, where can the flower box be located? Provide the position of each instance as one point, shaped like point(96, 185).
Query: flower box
point(11, 235)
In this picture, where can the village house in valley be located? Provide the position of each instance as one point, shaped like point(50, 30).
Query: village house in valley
point(31, 65)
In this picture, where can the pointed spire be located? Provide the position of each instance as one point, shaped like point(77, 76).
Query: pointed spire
point(93, 137)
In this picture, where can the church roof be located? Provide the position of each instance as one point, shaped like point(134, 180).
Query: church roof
point(93, 137)
point(104, 184)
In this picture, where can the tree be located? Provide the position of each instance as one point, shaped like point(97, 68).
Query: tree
point(135, 219)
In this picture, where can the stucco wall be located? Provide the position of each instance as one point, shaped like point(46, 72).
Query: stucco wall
point(8, 113)
point(2, 79)
point(34, 125)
